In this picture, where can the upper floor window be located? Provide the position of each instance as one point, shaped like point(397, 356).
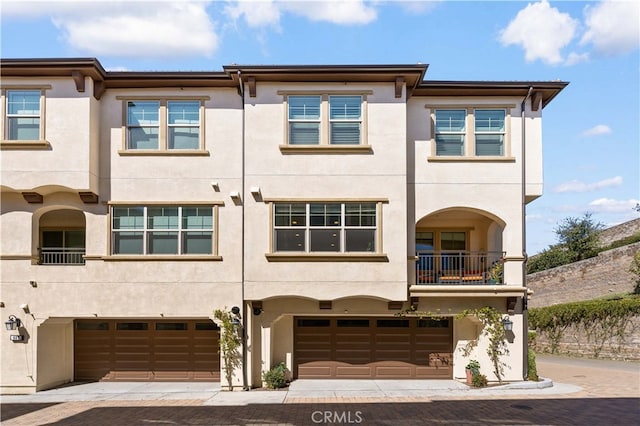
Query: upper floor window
point(326, 122)
point(490, 131)
point(325, 227)
point(23, 115)
point(164, 125)
point(162, 230)
point(470, 132)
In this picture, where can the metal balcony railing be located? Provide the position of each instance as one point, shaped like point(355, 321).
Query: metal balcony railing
point(62, 256)
point(459, 267)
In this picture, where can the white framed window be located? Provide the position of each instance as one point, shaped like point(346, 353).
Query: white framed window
point(345, 116)
point(489, 131)
point(23, 117)
point(450, 131)
point(304, 120)
point(325, 227)
point(471, 132)
point(162, 230)
point(163, 125)
point(326, 121)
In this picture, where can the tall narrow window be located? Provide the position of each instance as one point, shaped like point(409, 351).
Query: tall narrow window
point(290, 223)
point(450, 132)
point(490, 131)
point(23, 115)
point(143, 124)
point(128, 230)
point(304, 120)
point(184, 125)
point(345, 114)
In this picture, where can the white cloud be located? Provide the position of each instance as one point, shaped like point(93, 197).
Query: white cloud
point(256, 14)
point(609, 205)
point(574, 58)
point(542, 31)
point(123, 28)
point(600, 129)
point(613, 26)
point(267, 13)
point(343, 12)
point(578, 186)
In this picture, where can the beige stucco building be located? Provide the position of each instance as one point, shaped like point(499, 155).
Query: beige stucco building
point(323, 201)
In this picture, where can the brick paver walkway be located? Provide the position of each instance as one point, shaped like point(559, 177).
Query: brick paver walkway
point(609, 397)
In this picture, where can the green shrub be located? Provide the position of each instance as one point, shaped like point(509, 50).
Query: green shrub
point(276, 378)
point(532, 370)
point(479, 381)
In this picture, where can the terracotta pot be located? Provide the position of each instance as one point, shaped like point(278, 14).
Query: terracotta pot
point(469, 376)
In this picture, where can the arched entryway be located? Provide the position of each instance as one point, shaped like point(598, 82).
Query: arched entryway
point(459, 246)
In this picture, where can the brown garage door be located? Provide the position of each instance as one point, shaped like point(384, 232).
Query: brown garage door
point(378, 348)
point(146, 350)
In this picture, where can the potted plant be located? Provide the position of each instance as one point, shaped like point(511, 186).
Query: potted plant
point(496, 271)
point(472, 369)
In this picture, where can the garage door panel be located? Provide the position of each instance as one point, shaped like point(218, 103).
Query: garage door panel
point(373, 348)
point(146, 350)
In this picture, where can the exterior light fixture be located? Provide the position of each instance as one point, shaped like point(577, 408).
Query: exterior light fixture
point(507, 324)
point(13, 323)
point(235, 321)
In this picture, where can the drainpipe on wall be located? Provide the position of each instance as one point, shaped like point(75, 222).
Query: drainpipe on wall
point(244, 305)
point(525, 322)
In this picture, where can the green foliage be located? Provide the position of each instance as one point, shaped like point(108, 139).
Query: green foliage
point(635, 270)
point(552, 257)
point(230, 342)
point(276, 377)
point(493, 329)
point(479, 381)
point(579, 236)
point(600, 320)
point(532, 370)
point(622, 242)
point(474, 367)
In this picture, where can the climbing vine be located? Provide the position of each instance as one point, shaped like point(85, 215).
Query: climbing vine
point(230, 342)
point(601, 320)
point(493, 329)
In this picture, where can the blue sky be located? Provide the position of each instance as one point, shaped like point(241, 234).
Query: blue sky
point(591, 131)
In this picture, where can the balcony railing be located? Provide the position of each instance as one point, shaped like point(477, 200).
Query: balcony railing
point(442, 267)
point(62, 256)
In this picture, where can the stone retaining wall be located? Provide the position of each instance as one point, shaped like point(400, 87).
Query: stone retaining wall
point(606, 274)
point(619, 232)
point(576, 342)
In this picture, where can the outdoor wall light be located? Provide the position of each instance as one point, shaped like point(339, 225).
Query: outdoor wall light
point(13, 323)
point(235, 321)
point(507, 324)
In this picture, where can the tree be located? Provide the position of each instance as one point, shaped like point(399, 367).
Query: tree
point(554, 256)
point(579, 236)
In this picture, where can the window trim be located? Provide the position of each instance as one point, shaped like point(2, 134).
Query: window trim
point(324, 146)
point(174, 257)
point(163, 127)
point(41, 143)
point(377, 256)
point(470, 132)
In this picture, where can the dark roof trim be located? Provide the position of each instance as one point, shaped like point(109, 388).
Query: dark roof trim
point(547, 90)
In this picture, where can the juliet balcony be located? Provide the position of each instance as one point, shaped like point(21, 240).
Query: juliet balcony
point(459, 267)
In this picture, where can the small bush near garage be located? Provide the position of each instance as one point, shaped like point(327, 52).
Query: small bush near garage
point(532, 369)
point(276, 378)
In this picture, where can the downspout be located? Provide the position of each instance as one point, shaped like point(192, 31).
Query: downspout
point(525, 322)
point(244, 305)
